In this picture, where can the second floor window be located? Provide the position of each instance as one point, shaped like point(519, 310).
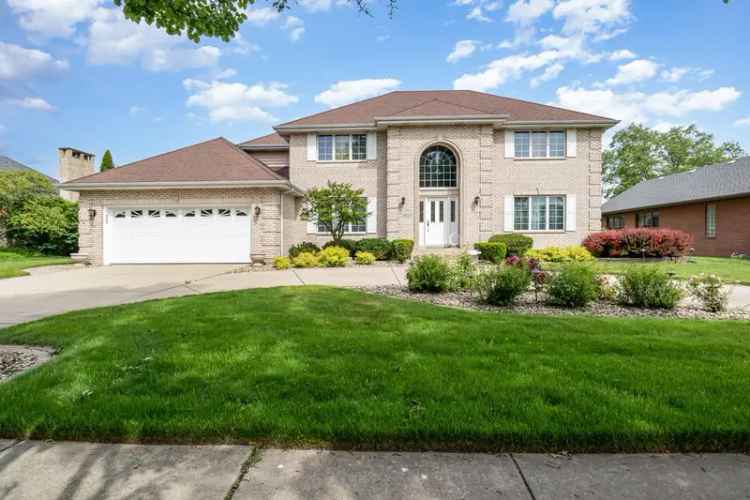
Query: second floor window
point(342, 147)
point(438, 168)
point(542, 144)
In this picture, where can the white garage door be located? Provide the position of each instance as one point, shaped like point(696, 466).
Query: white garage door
point(184, 235)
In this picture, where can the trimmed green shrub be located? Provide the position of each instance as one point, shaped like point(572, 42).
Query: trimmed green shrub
point(46, 224)
point(572, 253)
point(429, 273)
point(379, 247)
point(282, 263)
point(574, 286)
point(463, 273)
point(334, 257)
point(517, 244)
point(306, 259)
point(491, 251)
point(305, 246)
point(502, 285)
point(648, 287)
point(402, 250)
point(350, 245)
point(709, 290)
point(364, 258)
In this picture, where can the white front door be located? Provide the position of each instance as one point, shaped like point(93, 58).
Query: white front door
point(438, 222)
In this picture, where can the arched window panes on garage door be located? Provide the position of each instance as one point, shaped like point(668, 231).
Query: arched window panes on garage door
point(437, 168)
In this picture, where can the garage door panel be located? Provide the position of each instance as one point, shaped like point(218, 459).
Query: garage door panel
point(206, 237)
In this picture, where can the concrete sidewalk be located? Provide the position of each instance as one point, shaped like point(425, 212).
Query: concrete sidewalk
point(42, 470)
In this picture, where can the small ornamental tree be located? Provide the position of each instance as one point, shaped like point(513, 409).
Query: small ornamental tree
point(18, 187)
point(107, 162)
point(335, 207)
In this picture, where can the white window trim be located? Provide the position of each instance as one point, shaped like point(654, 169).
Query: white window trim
point(317, 231)
point(546, 213)
point(531, 148)
point(333, 150)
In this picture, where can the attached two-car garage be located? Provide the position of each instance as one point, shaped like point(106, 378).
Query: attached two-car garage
point(177, 235)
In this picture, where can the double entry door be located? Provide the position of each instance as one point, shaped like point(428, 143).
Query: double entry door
point(438, 221)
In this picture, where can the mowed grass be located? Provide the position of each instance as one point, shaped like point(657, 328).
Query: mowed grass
point(14, 261)
point(731, 270)
point(333, 367)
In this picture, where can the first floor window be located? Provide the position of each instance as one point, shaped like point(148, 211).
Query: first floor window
point(711, 220)
point(539, 144)
point(539, 213)
point(648, 219)
point(356, 227)
point(615, 221)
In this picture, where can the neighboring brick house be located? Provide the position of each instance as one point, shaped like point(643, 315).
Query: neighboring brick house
point(444, 168)
point(711, 203)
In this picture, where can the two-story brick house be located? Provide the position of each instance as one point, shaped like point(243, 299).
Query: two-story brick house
point(444, 168)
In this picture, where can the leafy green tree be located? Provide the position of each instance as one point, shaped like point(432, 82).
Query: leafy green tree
point(18, 187)
point(638, 153)
point(46, 224)
point(212, 18)
point(335, 206)
point(107, 162)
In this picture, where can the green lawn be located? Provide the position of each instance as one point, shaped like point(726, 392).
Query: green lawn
point(731, 270)
point(325, 366)
point(14, 261)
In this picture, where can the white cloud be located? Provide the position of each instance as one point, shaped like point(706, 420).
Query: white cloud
point(382, 38)
point(116, 40)
point(663, 126)
point(525, 12)
point(345, 92)
point(633, 72)
point(742, 122)
point(462, 50)
point(621, 55)
point(295, 26)
point(36, 103)
point(17, 62)
point(674, 75)
point(642, 107)
point(52, 18)
point(260, 16)
point(225, 101)
point(550, 73)
point(136, 110)
point(227, 73)
point(592, 16)
point(500, 71)
point(476, 14)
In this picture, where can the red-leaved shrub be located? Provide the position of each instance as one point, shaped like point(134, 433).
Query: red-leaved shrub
point(630, 242)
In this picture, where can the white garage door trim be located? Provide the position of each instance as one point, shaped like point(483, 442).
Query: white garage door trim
point(187, 235)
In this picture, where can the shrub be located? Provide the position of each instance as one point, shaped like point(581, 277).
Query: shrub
point(501, 286)
point(305, 246)
point(334, 257)
point(516, 244)
point(379, 247)
point(574, 286)
point(606, 292)
point(632, 242)
point(46, 224)
point(463, 273)
point(572, 253)
point(281, 263)
point(402, 249)
point(364, 258)
point(709, 291)
point(649, 287)
point(350, 245)
point(306, 259)
point(491, 251)
point(429, 273)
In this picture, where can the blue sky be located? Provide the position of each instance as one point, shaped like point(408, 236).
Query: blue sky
point(74, 73)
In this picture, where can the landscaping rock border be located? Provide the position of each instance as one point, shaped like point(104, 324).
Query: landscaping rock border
point(528, 305)
point(16, 359)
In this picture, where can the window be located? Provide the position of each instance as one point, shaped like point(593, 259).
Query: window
point(437, 168)
point(616, 221)
point(357, 227)
point(540, 144)
point(421, 211)
point(136, 213)
point(711, 220)
point(539, 213)
point(648, 219)
point(453, 210)
point(240, 213)
point(206, 212)
point(342, 147)
point(224, 212)
point(170, 213)
point(154, 213)
point(189, 213)
point(120, 215)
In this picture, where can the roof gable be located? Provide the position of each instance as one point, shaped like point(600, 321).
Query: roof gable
point(272, 140)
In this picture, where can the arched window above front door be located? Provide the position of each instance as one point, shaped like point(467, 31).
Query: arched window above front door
point(437, 168)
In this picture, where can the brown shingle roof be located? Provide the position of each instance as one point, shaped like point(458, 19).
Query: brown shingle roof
point(273, 140)
point(442, 103)
point(214, 160)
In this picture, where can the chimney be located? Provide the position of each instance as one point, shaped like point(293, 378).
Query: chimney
point(72, 164)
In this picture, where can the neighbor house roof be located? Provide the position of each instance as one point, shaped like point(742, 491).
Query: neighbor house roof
point(723, 180)
point(270, 141)
point(217, 161)
point(443, 104)
point(7, 164)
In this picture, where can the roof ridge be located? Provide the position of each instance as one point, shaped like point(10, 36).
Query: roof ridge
point(250, 159)
point(463, 106)
point(537, 103)
point(344, 106)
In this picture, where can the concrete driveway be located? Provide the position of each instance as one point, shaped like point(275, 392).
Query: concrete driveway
point(53, 291)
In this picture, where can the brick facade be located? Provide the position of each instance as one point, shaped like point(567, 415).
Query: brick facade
point(732, 233)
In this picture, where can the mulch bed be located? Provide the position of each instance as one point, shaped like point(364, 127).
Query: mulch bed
point(527, 304)
point(17, 359)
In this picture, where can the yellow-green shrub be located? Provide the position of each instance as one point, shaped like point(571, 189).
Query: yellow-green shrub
point(334, 256)
point(572, 253)
point(281, 263)
point(306, 259)
point(365, 258)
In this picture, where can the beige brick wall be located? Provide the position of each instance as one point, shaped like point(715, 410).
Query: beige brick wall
point(266, 230)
